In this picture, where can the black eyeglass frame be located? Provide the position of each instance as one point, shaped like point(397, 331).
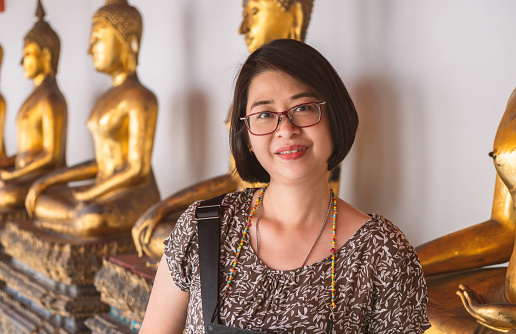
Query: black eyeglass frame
point(281, 113)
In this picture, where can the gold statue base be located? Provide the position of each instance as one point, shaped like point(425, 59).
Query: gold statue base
point(12, 215)
point(48, 279)
point(106, 324)
point(125, 284)
point(445, 309)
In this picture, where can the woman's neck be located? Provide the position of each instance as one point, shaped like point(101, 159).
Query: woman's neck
point(293, 205)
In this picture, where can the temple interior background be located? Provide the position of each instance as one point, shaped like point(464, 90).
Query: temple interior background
point(430, 80)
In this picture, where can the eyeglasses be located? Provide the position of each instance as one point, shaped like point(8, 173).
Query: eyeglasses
point(266, 122)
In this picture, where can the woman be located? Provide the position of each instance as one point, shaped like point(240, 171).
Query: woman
point(292, 122)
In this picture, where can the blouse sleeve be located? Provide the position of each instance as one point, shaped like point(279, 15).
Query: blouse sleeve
point(181, 249)
point(402, 298)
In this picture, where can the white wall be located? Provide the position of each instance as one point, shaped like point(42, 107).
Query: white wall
point(430, 80)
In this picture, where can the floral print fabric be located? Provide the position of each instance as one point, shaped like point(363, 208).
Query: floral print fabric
point(379, 281)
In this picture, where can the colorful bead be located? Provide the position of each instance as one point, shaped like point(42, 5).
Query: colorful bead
point(246, 230)
point(333, 251)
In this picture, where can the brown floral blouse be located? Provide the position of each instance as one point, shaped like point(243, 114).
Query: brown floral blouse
point(379, 281)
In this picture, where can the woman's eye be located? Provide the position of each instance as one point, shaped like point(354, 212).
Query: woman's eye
point(305, 107)
point(264, 115)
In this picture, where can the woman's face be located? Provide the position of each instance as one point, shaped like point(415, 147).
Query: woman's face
point(290, 153)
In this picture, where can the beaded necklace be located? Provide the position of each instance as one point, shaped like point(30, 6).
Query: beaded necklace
point(246, 231)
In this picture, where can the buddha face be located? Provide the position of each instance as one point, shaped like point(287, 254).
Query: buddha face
point(265, 21)
point(32, 60)
point(105, 48)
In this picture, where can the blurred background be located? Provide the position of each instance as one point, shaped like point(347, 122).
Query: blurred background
point(430, 80)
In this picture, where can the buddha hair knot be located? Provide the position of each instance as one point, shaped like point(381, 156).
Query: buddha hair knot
point(123, 18)
point(44, 36)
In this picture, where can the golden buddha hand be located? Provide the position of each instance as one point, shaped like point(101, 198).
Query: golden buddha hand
point(501, 317)
point(143, 231)
point(146, 224)
point(79, 172)
point(34, 191)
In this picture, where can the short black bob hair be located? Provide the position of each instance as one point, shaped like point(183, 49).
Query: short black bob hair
point(308, 66)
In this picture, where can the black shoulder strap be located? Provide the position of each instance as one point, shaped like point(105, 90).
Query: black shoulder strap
point(208, 216)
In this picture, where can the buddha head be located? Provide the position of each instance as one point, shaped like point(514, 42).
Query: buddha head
point(115, 37)
point(267, 20)
point(42, 47)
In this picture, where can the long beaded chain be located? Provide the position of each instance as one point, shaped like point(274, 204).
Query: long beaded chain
point(334, 229)
point(246, 231)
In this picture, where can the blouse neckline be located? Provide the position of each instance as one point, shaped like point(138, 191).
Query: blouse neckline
point(249, 192)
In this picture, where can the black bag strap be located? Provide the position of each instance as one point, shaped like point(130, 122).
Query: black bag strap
point(208, 215)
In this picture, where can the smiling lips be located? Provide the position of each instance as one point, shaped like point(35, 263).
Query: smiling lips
point(291, 153)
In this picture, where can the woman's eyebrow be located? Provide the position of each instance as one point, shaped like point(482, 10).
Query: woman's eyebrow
point(303, 94)
point(261, 103)
point(292, 98)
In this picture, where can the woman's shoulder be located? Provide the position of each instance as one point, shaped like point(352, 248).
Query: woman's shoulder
point(183, 238)
point(385, 238)
point(373, 233)
point(238, 199)
point(231, 202)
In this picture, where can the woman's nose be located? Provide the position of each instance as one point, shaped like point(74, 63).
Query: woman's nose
point(286, 127)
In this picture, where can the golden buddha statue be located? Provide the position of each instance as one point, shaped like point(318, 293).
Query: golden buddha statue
point(449, 260)
point(500, 315)
point(2, 113)
point(52, 260)
point(42, 119)
point(122, 123)
point(263, 21)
